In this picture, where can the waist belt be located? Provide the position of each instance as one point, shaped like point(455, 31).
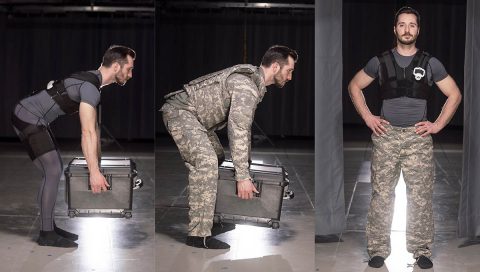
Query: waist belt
point(24, 127)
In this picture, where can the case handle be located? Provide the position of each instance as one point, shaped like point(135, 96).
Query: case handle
point(258, 185)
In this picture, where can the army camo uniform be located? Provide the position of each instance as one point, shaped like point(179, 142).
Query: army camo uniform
point(401, 149)
point(191, 115)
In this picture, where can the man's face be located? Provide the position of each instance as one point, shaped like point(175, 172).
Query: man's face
point(406, 29)
point(284, 74)
point(125, 72)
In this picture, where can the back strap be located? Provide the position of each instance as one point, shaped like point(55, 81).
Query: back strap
point(58, 92)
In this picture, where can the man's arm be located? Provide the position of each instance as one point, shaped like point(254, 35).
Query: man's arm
point(90, 146)
point(240, 119)
point(450, 89)
point(359, 82)
point(99, 142)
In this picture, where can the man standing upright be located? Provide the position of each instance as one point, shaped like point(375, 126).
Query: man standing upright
point(191, 115)
point(401, 137)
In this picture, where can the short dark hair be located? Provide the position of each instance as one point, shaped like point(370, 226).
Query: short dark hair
point(117, 53)
point(407, 10)
point(280, 54)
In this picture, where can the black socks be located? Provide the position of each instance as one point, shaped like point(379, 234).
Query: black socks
point(51, 238)
point(219, 228)
point(57, 238)
point(206, 242)
point(376, 262)
point(64, 233)
point(424, 262)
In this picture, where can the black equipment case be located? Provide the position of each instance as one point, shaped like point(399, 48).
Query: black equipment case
point(115, 202)
point(265, 207)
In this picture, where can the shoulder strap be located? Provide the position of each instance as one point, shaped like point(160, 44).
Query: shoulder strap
point(386, 60)
point(425, 57)
point(58, 91)
point(87, 76)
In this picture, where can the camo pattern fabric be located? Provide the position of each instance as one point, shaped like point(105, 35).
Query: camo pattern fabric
point(225, 98)
point(201, 160)
point(228, 97)
point(401, 149)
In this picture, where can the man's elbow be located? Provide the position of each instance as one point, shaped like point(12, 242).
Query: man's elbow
point(88, 133)
point(353, 89)
point(457, 97)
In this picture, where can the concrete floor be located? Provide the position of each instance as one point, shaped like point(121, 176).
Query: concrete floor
point(153, 240)
point(253, 248)
point(351, 256)
point(105, 244)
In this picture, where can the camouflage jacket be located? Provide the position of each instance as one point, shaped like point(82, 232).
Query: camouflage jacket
point(227, 97)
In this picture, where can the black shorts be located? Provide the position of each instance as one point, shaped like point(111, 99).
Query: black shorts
point(37, 139)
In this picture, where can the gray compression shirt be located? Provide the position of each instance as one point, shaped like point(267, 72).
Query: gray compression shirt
point(41, 109)
point(406, 111)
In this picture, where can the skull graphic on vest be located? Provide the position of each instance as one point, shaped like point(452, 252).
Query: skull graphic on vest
point(418, 72)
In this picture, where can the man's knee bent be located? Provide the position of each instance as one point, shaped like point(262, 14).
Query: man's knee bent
point(208, 164)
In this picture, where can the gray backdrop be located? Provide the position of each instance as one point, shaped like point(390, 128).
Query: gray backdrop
point(469, 212)
point(329, 195)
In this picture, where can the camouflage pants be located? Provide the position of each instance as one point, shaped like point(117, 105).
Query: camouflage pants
point(199, 150)
point(401, 149)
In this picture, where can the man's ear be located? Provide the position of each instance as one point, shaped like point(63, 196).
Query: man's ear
point(116, 67)
point(276, 67)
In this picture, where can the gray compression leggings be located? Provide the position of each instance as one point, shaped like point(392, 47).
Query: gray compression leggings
point(51, 166)
point(42, 149)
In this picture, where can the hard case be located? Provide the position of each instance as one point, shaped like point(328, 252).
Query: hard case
point(265, 207)
point(115, 202)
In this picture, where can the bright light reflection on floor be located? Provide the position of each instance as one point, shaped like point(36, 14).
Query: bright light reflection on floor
point(250, 241)
point(97, 239)
point(399, 258)
point(400, 215)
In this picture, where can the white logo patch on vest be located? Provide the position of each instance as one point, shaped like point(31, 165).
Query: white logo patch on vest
point(418, 72)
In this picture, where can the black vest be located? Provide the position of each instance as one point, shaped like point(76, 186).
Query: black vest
point(58, 92)
point(410, 81)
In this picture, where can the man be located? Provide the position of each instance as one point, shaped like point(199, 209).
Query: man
point(191, 115)
point(79, 92)
point(402, 137)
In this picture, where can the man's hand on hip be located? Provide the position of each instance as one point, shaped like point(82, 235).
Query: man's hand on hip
point(426, 128)
point(376, 124)
point(98, 183)
point(245, 189)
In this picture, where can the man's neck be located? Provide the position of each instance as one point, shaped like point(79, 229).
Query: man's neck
point(262, 73)
point(406, 50)
point(107, 76)
point(267, 75)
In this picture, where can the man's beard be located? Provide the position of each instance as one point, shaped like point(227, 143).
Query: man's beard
point(278, 82)
point(119, 82)
point(412, 41)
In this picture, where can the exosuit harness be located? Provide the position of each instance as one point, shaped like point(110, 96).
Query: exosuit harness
point(38, 138)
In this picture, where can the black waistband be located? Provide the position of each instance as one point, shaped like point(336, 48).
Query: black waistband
point(24, 126)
